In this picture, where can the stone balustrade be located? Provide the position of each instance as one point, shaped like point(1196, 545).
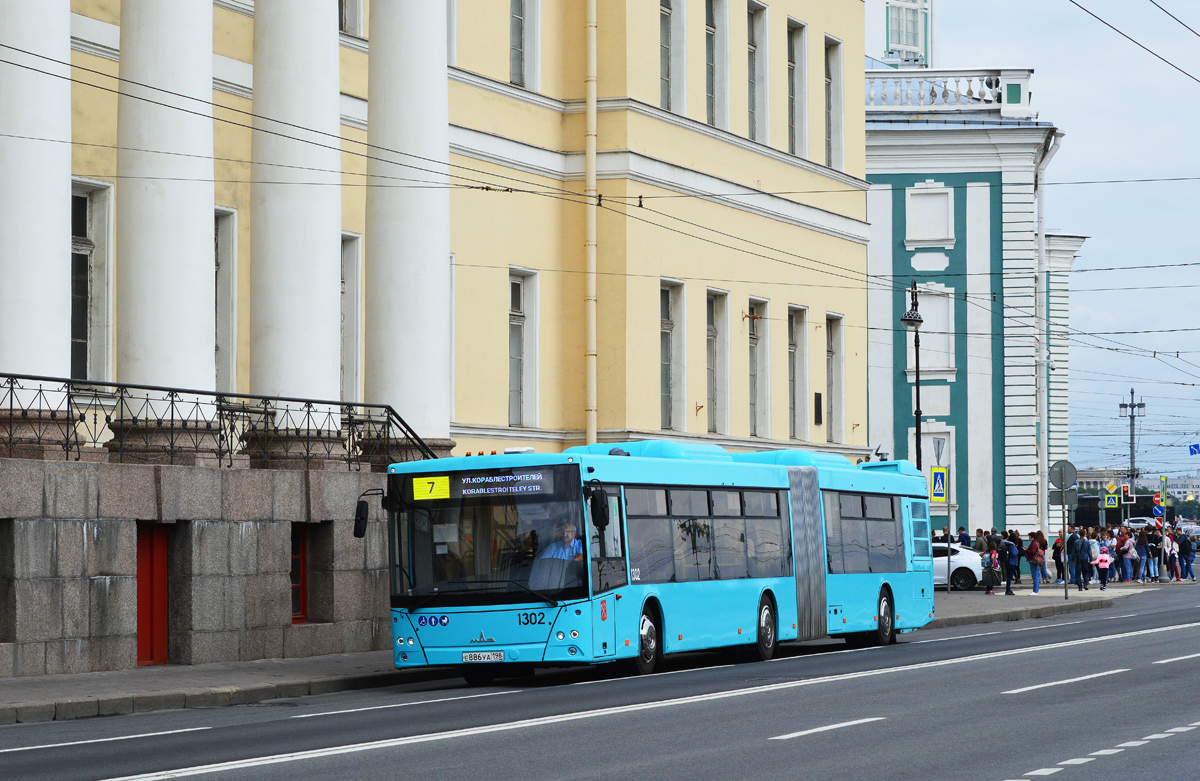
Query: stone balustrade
point(923, 90)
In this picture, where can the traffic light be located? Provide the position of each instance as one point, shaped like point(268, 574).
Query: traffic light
point(1126, 496)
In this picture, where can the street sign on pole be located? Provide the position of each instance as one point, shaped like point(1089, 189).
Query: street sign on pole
point(1159, 511)
point(939, 491)
point(1063, 474)
point(1112, 487)
point(1194, 450)
point(1069, 497)
point(1112, 501)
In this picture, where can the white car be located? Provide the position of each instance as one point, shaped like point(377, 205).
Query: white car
point(967, 570)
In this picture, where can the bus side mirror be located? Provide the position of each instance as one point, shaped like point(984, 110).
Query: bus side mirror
point(598, 499)
point(361, 514)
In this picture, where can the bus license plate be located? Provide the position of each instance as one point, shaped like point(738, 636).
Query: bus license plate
point(483, 656)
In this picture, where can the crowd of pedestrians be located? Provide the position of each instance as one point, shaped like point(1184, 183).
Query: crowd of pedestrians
point(1087, 556)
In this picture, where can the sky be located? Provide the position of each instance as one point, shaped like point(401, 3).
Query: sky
point(1126, 115)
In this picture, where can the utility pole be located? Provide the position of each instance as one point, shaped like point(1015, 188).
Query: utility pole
point(1133, 411)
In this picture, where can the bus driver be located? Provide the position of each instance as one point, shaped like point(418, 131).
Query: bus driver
point(569, 547)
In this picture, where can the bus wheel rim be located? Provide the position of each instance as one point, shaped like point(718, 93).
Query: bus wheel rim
point(766, 625)
point(885, 616)
point(649, 638)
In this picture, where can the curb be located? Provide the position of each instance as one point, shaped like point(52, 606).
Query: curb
point(112, 705)
point(1021, 613)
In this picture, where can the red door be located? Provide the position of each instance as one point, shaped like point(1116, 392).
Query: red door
point(151, 593)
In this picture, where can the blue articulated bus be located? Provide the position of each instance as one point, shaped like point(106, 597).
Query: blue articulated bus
point(640, 549)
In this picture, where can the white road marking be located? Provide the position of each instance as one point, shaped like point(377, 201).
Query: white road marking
point(1158, 736)
point(959, 637)
point(1127, 615)
point(1044, 771)
point(1106, 752)
point(625, 709)
point(1133, 743)
point(1181, 729)
point(1068, 680)
point(400, 705)
point(1078, 761)
point(651, 675)
point(103, 740)
point(1046, 626)
point(827, 727)
point(1177, 659)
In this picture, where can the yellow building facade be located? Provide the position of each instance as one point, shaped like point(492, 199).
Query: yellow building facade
point(731, 235)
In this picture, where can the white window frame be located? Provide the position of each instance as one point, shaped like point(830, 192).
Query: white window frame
point(917, 8)
point(226, 259)
point(761, 132)
point(759, 332)
point(835, 104)
point(798, 111)
point(350, 17)
point(351, 316)
point(100, 276)
point(531, 51)
point(678, 58)
point(530, 342)
point(720, 118)
point(926, 189)
point(678, 353)
point(718, 400)
point(835, 381)
point(798, 423)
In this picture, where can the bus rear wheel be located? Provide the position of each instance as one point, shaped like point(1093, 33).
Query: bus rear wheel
point(885, 628)
point(765, 646)
point(649, 656)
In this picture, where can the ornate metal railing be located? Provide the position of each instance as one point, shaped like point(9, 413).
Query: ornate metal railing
point(43, 417)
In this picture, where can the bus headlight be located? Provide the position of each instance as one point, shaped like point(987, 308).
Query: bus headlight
point(561, 636)
point(412, 641)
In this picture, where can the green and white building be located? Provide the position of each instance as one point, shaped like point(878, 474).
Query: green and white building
point(956, 160)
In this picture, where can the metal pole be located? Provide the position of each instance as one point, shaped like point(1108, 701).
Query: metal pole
point(591, 195)
point(1063, 552)
point(917, 411)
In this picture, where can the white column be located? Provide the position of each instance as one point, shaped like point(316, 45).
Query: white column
point(408, 230)
point(166, 297)
point(35, 189)
point(295, 339)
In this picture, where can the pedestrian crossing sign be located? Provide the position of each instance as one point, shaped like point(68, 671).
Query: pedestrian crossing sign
point(937, 491)
point(1112, 502)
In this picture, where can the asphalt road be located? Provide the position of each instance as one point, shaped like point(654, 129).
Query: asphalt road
point(990, 701)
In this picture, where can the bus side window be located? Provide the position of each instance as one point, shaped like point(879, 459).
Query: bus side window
point(920, 526)
point(765, 542)
point(833, 533)
point(884, 537)
point(729, 536)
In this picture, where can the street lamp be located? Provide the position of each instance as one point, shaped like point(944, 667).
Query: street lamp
point(912, 322)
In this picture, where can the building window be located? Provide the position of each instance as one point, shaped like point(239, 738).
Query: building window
point(350, 14)
point(797, 374)
point(757, 365)
point(516, 351)
point(351, 314)
point(756, 72)
point(714, 62)
point(833, 104)
point(833, 379)
point(522, 349)
point(91, 321)
point(225, 282)
point(81, 294)
point(715, 359)
point(299, 573)
point(664, 56)
point(666, 357)
point(905, 20)
point(797, 94)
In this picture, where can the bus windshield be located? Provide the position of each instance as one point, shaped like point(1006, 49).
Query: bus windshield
point(488, 537)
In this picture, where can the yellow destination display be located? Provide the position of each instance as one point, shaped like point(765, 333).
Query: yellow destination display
point(431, 487)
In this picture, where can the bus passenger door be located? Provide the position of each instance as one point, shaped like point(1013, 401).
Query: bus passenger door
point(607, 553)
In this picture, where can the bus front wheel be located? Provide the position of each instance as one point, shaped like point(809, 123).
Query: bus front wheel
point(649, 656)
point(765, 646)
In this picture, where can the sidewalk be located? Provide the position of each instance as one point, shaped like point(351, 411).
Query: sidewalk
point(164, 687)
